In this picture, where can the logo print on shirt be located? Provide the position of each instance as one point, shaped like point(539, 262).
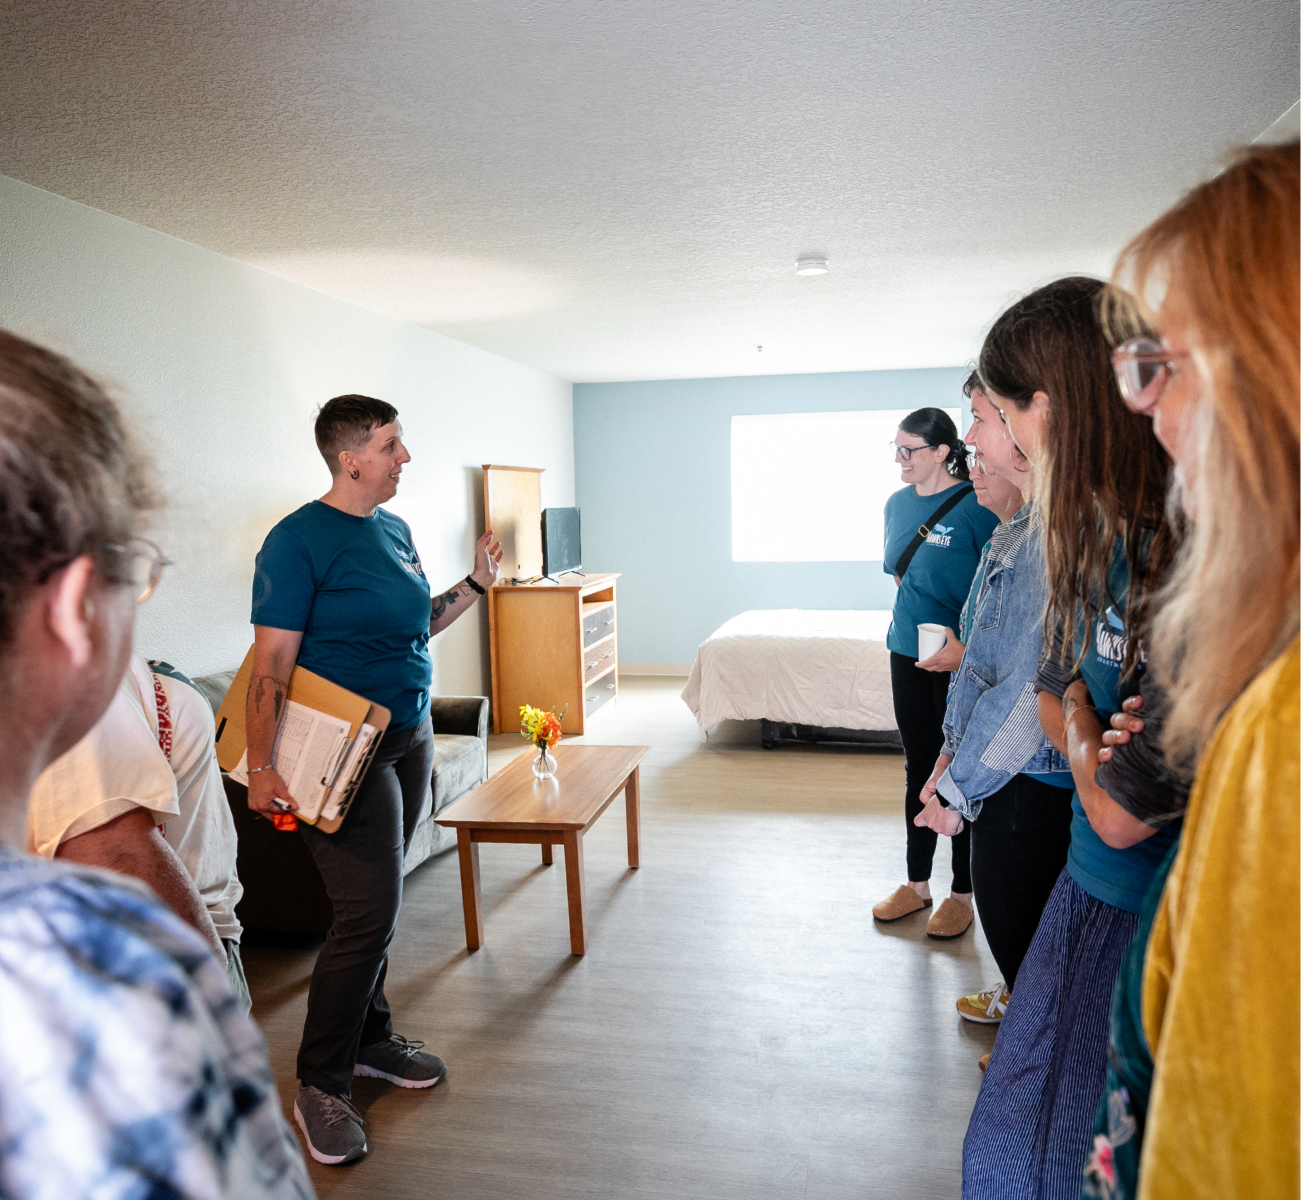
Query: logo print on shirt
point(941, 535)
point(413, 564)
point(1109, 637)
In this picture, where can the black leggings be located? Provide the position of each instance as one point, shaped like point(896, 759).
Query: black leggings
point(1018, 849)
point(919, 701)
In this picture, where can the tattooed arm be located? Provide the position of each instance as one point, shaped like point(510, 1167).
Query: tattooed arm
point(456, 600)
point(274, 653)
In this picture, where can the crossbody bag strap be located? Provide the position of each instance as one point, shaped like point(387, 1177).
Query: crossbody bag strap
point(924, 531)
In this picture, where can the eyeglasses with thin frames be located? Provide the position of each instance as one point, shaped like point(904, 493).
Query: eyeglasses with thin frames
point(144, 565)
point(907, 451)
point(1144, 368)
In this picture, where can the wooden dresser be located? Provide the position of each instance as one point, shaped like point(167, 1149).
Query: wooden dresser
point(553, 646)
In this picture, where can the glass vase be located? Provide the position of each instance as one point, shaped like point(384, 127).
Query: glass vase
point(544, 766)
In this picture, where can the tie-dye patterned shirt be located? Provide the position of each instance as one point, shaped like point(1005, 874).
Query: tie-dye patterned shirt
point(127, 1069)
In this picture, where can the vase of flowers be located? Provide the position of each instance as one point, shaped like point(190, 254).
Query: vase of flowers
point(542, 728)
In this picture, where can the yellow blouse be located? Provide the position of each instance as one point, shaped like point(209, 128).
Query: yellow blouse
point(1221, 982)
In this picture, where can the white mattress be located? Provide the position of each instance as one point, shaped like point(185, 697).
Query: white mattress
point(826, 668)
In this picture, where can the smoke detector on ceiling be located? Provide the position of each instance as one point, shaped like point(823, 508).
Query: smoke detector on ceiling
point(811, 265)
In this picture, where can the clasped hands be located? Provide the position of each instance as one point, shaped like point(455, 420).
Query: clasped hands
point(934, 815)
point(949, 822)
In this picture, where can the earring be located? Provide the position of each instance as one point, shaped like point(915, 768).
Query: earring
point(356, 474)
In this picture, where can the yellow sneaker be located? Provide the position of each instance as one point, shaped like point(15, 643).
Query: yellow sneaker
point(987, 1007)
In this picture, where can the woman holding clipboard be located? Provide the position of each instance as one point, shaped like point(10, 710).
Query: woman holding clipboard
point(340, 590)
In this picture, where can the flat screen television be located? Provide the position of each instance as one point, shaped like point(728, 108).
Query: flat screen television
point(561, 545)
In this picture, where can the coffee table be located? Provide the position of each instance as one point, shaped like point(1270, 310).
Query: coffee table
point(515, 806)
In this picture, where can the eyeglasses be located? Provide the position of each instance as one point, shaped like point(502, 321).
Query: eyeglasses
point(144, 565)
point(907, 451)
point(1144, 369)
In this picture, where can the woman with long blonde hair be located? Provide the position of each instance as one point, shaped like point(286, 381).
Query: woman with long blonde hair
point(1215, 1027)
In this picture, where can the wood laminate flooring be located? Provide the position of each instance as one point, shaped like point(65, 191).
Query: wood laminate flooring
point(739, 1027)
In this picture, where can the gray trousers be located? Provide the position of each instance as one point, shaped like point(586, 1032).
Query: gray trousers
point(361, 866)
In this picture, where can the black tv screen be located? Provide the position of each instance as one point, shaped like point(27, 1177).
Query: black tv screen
point(561, 545)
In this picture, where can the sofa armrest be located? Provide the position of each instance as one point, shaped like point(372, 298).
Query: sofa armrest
point(460, 714)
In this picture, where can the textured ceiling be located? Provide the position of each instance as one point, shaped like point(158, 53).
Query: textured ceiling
point(613, 190)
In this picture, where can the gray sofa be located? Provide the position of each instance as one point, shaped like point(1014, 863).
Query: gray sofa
point(283, 892)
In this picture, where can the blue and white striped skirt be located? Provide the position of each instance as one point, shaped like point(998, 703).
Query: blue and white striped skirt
point(1031, 1129)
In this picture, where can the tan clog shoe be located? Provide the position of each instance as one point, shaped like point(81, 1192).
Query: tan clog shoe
point(900, 903)
point(951, 919)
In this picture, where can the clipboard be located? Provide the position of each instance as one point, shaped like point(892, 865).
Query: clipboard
point(311, 691)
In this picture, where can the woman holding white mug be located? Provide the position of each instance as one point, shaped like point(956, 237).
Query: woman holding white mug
point(934, 533)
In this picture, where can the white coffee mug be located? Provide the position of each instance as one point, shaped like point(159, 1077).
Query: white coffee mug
point(931, 640)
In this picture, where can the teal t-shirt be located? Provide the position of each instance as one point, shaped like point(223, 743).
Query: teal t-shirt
point(940, 575)
point(354, 587)
point(1116, 877)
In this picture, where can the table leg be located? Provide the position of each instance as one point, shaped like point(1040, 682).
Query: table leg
point(547, 857)
point(471, 892)
point(574, 885)
point(632, 795)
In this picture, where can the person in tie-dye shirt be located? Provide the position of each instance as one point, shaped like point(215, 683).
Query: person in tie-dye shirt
point(127, 1068)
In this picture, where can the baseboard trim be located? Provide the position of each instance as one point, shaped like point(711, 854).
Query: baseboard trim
point(678, 669)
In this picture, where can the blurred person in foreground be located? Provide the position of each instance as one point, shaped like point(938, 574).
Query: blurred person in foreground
point(126, 1065)
point(142, 794)
point(1202, 1097)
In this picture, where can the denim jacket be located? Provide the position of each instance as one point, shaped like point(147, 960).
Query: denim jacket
point(991, 726)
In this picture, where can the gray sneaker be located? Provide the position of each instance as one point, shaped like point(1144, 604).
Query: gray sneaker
point(401, 1062)
point(331, 1126)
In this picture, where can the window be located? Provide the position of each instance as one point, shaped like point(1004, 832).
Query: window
point(812, 487)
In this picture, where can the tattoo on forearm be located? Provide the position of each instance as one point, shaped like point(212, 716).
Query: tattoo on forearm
point(447, 599)
point(266, 687)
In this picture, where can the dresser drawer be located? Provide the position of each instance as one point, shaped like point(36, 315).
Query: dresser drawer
point(598, 659)
point(597, 694)
point(599, 625)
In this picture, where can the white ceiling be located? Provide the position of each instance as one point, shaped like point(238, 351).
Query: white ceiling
point(616, 190)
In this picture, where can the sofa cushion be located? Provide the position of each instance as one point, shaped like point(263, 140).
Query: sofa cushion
point(215, 686)
point(460, 763)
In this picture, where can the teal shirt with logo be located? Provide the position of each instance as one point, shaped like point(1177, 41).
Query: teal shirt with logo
point(1116, 877)
point(941, 572)
point(355, 588)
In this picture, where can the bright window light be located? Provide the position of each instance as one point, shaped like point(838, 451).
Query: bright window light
point(812, 487)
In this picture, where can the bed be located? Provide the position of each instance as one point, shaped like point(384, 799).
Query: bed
point(807, 675)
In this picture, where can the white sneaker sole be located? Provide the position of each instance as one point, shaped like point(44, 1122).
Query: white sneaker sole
point(980, 1020)
point(330, 1160)
point(401, 1081)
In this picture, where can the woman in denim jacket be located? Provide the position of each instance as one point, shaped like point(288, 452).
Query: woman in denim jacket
point(997, 764)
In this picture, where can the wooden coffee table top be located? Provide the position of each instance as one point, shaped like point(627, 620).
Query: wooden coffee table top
point(586, 779)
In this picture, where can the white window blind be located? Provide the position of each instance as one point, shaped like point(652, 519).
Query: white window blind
point(812, 487)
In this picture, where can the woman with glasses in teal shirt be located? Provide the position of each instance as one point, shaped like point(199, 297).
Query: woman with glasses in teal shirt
point(933, 581)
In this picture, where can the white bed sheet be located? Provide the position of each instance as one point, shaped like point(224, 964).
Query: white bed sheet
point(806, 666)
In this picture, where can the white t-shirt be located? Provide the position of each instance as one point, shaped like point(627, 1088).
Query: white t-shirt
point(119, 766)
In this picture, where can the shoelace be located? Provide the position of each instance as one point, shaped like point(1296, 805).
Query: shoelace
point(406, 1046)
point(995, 995)
point(339, 1108)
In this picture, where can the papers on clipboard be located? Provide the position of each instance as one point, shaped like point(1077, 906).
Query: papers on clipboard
point(316, 756)
point(324, 744)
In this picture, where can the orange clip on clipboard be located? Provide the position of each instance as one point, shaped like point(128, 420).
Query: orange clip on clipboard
point(311, 691)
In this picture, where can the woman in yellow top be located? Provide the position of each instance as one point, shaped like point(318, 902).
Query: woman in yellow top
point(1221, 976)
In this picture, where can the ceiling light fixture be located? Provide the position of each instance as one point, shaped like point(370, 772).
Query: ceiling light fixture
point(812, 265)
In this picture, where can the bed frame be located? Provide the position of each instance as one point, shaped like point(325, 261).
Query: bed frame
point(783, 733)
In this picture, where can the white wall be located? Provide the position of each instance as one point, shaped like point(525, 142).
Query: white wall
point(221, 367)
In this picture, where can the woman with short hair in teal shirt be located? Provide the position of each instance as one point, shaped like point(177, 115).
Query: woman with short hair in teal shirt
point(933, 586)
point(340, 590)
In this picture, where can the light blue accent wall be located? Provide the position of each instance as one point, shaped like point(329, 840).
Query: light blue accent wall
point(652, 473)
